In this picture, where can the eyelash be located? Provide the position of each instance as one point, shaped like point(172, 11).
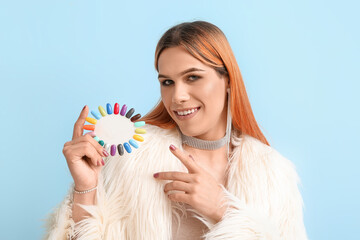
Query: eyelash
point(163, 82)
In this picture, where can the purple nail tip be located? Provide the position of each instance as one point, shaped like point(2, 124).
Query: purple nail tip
point(113, 150)
point(123, 110)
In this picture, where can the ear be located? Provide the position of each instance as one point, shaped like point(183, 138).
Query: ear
point(227, 80)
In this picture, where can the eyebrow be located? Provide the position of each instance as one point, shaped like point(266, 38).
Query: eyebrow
point(183, 72)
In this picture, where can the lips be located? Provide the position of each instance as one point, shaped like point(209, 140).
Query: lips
point(187, 111)
point(188, 116)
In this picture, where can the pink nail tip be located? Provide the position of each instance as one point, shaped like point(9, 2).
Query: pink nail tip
point(105, 153)
point(91, 134)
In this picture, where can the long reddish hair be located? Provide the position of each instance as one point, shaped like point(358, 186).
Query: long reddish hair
point(207, 43)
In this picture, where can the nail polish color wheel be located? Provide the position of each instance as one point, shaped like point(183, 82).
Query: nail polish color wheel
point(117, 131)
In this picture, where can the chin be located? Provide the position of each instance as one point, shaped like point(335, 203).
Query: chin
point(190, 131)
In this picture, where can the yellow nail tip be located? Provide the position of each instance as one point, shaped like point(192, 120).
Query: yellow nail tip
point(91, 120)
point(140, 131)
point(138, 138)
point(102, 111)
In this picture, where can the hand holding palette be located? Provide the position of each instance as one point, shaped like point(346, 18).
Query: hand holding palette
point(117, 131)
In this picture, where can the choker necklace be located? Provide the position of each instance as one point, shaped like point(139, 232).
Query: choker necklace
point(211, 144)
point(203, 144)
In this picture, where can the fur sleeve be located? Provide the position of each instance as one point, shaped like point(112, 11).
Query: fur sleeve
point(240, 222)
point(267, 203)
point(59, 224)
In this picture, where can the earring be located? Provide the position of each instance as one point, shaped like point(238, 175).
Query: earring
point(228, 124)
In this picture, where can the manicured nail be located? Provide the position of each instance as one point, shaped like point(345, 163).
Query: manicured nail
point(84, 107)
point(91, 134)
point(102, 161)
point(172, 147)
point(136, 117)
point(156, 175)
point(105, 153)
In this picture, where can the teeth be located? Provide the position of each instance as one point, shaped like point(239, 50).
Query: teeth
point(184, 113)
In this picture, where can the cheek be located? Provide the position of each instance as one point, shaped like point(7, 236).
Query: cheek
point(212, 96)
point(166, 98)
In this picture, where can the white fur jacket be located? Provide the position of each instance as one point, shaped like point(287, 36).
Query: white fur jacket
point(264, 201)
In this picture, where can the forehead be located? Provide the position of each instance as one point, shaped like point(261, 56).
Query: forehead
point(176, 59)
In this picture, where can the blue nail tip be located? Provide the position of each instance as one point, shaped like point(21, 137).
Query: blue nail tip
point(96, 115)
point(109, 108)
point(133, 143)
point(127, 147)
point(139, 124)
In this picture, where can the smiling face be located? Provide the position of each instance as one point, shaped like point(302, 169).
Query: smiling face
point(193, 93)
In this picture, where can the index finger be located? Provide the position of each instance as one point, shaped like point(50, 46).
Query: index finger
point(78, 127)
point(186, 159)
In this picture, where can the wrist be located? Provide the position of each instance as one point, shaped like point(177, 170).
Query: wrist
point(85, 191)
point(84, 187)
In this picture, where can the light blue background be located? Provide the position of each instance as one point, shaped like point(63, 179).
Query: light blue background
point(299, 61)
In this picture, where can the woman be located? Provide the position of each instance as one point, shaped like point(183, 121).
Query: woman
point(219, 167)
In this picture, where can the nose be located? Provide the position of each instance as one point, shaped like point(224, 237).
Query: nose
point(180, 94)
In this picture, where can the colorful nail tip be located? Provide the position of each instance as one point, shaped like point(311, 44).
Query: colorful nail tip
point(102, 111)
point(89, 127)
point(97, 138)
point(109, 108)
point(136, 117)
point(123, 110)
point(133, 143)
point(101, 142)
point(91, 120)
point(96, 115)
point(140, 131)
point(92, 134)
point(127, 147)
point(138, 138)
point(113, 150)
point(120, 149)
point(130, 113)
point(107, 147)
point(139, 124)
point(116, 108)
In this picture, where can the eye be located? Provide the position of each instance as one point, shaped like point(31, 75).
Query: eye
point(166, 82)
point(193, 77)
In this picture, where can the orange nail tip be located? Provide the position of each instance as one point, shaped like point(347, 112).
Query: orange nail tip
point(89, 127)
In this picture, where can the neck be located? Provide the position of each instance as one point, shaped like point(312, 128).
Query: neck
point(210, 157)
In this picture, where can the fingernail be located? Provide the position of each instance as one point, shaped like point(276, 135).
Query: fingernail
point(136, 117)
point(191, 157)
point(84, 107)
point(102, 161)
point(91, 134)
point(105, 153)
point(156, 175)
point(172, 147)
